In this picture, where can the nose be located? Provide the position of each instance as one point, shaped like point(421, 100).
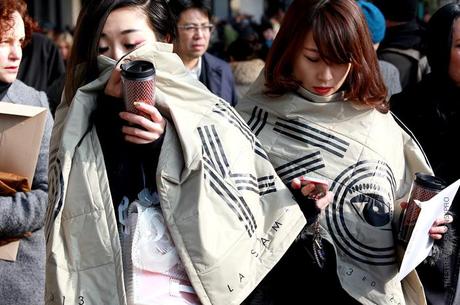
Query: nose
point(199, 32)
point(117, 53)
point(15, 52)
point(325, 73)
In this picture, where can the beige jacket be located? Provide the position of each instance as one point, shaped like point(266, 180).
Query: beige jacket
point(369, 162)
point(230, 216)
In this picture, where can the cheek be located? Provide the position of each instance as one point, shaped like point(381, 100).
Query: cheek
point(341, 74)
point(3, 56)
point(454, 66)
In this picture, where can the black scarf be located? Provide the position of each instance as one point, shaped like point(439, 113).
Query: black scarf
point(3, 89)
point(130, 167)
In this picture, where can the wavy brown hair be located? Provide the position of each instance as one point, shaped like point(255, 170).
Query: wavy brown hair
point(7, 8)
point(341, 35)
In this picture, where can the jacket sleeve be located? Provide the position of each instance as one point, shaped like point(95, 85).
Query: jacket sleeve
point(25, 212)
point(230, 81)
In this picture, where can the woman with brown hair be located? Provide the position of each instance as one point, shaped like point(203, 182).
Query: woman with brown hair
point(319, 110)
point(22, 210)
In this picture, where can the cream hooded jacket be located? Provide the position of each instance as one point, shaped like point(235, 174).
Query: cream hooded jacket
point(369, 162)
point(230, 216)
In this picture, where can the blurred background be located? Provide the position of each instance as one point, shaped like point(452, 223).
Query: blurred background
point(62, 14)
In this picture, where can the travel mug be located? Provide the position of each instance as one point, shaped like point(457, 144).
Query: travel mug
point(423, 188)
point(138, 83)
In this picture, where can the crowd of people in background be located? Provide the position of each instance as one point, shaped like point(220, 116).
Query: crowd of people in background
point(396, 30)
point(359, 93)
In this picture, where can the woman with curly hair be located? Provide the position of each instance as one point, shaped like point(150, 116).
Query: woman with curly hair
point(22, 213)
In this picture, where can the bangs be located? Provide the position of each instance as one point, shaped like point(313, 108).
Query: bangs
point(333, 38)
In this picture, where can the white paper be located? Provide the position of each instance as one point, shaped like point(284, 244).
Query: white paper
point(420, 243)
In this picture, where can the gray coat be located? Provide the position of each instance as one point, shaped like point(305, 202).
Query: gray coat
point(23, 281)
point(390, 76)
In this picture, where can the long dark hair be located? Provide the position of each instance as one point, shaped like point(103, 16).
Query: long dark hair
point(89, 26)
point(439, 38)
point(341, 34)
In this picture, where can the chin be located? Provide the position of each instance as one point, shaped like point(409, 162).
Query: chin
point(200, 53)
point(7, 79)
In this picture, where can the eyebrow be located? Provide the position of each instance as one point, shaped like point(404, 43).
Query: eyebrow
point(195, 23)
point(124, 32)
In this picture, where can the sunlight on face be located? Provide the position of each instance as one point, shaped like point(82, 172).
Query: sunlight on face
point(454, 64)
point(11, 49)
point(125, 29)
point(191, 44)
point(315, 75)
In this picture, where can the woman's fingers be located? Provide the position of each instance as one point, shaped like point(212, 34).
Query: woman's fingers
point(140, 136)
point(438, 229)
point(437, 232)
point(150, 110)
point(296, 184)
point(142, 130)
point(443, 220)
point(307, 189)
point(113, 86)
point(324, 201)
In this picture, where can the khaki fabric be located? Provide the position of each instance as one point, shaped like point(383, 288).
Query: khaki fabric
point(230, 216)
point(369, 162)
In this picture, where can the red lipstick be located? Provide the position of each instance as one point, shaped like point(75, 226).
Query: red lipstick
point(322, 90)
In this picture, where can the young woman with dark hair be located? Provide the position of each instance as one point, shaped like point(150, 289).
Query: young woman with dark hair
point(89, 27)
point(431, 109)
point(159, 208)
point(319, 109)
point(337, 44)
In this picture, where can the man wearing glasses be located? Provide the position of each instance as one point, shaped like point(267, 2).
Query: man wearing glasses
point(194, 30)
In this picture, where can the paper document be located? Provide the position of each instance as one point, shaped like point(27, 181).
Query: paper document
point(420, 243)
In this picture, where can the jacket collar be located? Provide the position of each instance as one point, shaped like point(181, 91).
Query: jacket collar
point(336, 97)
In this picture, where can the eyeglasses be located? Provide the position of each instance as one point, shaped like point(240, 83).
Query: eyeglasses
point(193, 28)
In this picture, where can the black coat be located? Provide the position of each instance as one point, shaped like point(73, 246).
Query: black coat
point(217, 75)
point(431, 110)
point(407, 38)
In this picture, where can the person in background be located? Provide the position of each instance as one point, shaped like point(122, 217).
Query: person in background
point(22, 213)
point(403, 42)
point(266, 34)
point(431, 110)
point(376, 23)
point(64, 41)
point(194, 27)
point(320, 110)
point(42, 64)
point(139, 200)
point(245, 62)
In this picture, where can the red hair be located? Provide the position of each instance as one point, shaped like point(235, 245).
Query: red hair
point(341, 35)
point(7, 8)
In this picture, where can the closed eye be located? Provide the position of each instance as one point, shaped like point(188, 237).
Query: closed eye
point(103, 50)
point(312, 59)
point(130, 46)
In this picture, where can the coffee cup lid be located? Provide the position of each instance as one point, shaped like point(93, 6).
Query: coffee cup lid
point(137, 69)
point(429, 181)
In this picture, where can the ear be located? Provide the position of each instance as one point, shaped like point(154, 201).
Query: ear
point(168, 38)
